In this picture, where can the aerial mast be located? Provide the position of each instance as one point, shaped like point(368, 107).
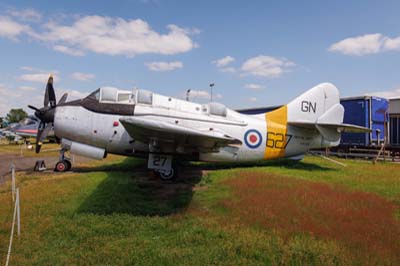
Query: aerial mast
point(211, 88)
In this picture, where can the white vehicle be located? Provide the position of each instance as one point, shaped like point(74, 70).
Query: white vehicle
point(165, 130)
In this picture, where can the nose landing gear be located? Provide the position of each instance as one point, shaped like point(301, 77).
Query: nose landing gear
point(64, 164)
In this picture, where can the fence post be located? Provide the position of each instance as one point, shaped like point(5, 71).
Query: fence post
point(12, 233)
point(13, 181)
point(18, 214)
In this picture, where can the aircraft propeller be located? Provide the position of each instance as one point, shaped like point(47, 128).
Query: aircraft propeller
point(46, 113)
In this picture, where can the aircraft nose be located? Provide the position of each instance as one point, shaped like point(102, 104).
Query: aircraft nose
point(45, 114)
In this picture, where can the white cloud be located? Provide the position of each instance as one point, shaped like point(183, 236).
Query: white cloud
point(97, 34)
point(67, 50)
point(12, 29)
point(115, 36)
point(361, 45)
point(389, 94)
point(366, 44)
point(29, 68)
point(164, 66)
point(23, 96)
point(199, 94)
point(266, 66)
point(252, 86)
point(72, 94)
point(202, 94)
point(82, 76)
point(392, 44)
point(223, 61)
point(252, 99)
point(27, 14)
point(38, 75)
point(228, 69)
point(26, 88)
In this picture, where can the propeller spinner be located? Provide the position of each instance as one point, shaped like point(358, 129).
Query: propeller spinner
point(46, 113)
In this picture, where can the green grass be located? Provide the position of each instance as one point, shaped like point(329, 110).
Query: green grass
point(107, 214)
point(48, 149)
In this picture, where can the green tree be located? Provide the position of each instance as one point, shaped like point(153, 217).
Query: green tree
point(16, 115)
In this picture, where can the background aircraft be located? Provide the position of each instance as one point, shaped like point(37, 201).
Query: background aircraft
point(26, 128)
point(166, 130)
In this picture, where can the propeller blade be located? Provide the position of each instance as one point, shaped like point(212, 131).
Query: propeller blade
point(49, 96)
point(45, 132)
point(38, 147)
point(46, 97)
point(39, 136)
point(33, 108)
point(63, 98)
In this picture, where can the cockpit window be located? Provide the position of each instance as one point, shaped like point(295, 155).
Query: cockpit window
point(108, 94)
point(145, 97)
point(95, 95)
point(218, 109)
point(124, 97)
point(112, 95)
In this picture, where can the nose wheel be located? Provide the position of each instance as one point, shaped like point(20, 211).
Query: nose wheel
point(63, 164)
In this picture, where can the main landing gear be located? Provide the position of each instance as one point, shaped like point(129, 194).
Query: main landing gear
point(167, 175)
point(162, 165)
point(64, 164)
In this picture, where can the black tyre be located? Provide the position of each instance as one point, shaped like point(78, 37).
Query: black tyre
point(61, 166)
point(171, 175)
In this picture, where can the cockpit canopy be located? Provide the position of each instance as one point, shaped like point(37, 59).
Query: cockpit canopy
point(218, 109)
point(116, 96)
point(113, 100)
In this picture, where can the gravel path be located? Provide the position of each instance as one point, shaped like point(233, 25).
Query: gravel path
point(28, 163)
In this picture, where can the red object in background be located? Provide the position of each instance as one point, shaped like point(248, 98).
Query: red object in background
point(116, 124)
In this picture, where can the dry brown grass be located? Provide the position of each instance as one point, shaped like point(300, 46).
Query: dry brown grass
point(363, 222)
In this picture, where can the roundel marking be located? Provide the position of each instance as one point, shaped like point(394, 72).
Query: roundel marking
point(252, 138)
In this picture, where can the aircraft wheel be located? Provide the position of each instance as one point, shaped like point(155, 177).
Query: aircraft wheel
point(168, 176)
point(62, 166)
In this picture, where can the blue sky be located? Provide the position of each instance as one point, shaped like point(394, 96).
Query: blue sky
point(257, 53)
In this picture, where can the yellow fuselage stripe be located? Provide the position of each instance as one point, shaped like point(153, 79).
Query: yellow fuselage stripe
point(276, 133)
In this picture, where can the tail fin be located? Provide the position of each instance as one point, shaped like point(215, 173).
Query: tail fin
point(321, 104)
point(318, 109)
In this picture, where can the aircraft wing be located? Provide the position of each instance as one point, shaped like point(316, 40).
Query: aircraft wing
point(26, 132)
point(147, 130)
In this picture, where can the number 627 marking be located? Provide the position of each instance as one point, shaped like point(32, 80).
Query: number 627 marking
point(278, 140)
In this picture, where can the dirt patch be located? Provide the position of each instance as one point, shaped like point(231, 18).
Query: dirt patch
point(27, 163)
point(364, 222)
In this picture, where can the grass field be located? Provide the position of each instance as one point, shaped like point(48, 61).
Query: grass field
point(276, 213)
point(48, 149)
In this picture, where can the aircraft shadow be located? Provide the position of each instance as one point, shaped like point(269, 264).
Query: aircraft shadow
point(285, 163)
point(137, 191)
point(130, 188)
point(129, 164)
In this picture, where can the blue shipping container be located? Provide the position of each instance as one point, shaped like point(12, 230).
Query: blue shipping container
point(368, 112)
